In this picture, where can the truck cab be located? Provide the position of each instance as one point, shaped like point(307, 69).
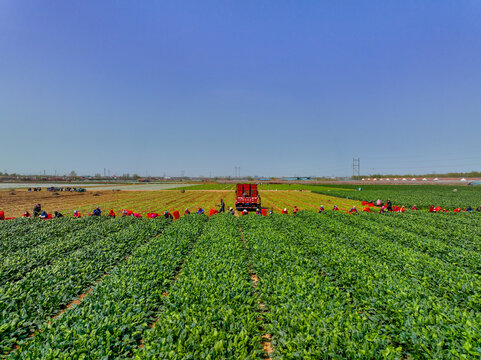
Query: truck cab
point(247, 197)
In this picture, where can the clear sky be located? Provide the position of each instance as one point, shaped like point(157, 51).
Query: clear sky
point(275, 87)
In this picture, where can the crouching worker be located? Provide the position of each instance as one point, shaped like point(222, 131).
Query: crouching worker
point(168, 215)
point(26, 214)
point(37, 209)
point(111, 213)
point(353, 210)
point(57, 214)
point(76, 214)
point(97, 212)
point(43, 215)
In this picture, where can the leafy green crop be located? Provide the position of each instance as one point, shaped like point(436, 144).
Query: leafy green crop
point(26, 304)
point(109, 322)
point(408, 195)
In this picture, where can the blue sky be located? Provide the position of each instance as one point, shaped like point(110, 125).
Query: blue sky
point(275, 87)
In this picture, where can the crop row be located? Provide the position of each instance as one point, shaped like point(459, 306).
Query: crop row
point(15, 266)
point(110, 320)
point(211, 311)
point(382, 310)
point(440, 278)
point(21, 234)
point(392, 232)
point(29, 302)
point(307, 315)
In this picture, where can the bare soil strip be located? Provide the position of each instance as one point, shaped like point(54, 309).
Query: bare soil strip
point(266, 338)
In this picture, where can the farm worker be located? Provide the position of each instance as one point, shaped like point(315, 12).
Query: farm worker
point(57, 214)
point(389, 205)
point(43, 215)
point(457, 210)
point(258, 212)
point(367, 209)
point(437, 208)
point(97, 212)
point(271, 212)
point(200, 211)
point(130, 213)
point(111, 213)
point(335, 208)
point(414, 207)
point(284, 211)
point(402, 209)
point(245, 212)
point(321, 209)
point(137, 215)
point(26, 214)
point(186, 211)
point(383, 208)
point(295, 210)
point(76, 214)
point(378, 202)
point(2, 215)
point(168, 215)
point(431, 208)
point(469, 208)
point(124, 212)
point(222, 206)
point(353, 209)
point(231, 211)
point(478, 208)
point(37, 209)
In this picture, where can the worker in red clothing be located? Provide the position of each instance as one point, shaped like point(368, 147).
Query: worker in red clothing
point(111, 213)
point(335, 208)
point(245, 212)
point(284, 211)
point(414, 207)
point(431, 208)
point(168, 215)
point(353, 210)
point(187, 212)
point(76, 214)
point(2, 215)
point(26, 214)
point(321, 209)
point(367, 209)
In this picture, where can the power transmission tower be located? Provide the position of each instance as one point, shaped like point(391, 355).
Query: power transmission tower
point(356, 167)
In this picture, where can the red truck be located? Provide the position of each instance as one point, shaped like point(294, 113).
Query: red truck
point(247, 197)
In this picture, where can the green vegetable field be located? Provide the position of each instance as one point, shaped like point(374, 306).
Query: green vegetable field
point(305, 286)
point(446, 196)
